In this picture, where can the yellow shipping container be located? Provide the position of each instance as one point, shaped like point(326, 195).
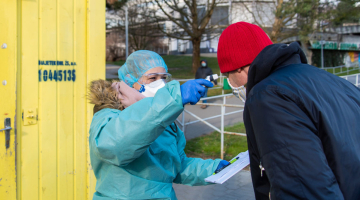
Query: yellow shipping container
point(49, 51)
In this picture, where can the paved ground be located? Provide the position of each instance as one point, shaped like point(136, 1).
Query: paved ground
point(239, 187)
point(199, 128)
point(202, 55)
point(354, 79)
point(111, 71)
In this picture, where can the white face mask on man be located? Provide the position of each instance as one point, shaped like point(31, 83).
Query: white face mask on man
point(149, 90)
point(239, 92)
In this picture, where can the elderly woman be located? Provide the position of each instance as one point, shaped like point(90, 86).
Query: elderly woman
point(138, 152)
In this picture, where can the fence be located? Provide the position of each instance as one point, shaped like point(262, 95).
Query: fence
point(220, 83)
point(354, 79)
point(339, 70)
point(222, 115)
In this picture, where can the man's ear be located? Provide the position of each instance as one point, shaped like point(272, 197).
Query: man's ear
point(239, 70)
point(245, 68)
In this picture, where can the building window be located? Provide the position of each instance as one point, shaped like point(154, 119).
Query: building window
point(220, 16)
point(201, 14)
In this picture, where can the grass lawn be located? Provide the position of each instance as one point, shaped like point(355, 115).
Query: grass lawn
point(218, 91)
point(180, 66)
point(208, 146)
point(120, 62)
point(355, 70)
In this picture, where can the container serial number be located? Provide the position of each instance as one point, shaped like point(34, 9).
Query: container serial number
point(57, 75)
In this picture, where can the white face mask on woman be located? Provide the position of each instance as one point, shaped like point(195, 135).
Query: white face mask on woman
point(149, 90)
point(239, 92)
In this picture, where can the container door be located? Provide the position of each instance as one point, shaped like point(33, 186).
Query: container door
point(62, 50)
point(7, 98)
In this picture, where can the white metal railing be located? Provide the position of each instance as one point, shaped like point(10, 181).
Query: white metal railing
point(343, 69)
point(184, 80)
point(222, 116)
point(220, 82)
point(354, 79)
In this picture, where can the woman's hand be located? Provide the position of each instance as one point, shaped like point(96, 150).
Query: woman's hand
point(193, 90)
point(222, 165)
point(126, 94)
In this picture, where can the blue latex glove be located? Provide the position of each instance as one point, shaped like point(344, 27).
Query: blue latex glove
point(192, 90)
point(222, 164)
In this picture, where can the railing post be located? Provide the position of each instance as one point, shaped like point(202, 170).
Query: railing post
point(222, 132)
point(357, 80)
point(222, 83)
point(224, 102)
point(183, 121)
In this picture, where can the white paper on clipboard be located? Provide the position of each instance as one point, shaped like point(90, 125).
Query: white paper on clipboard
point(230, 170)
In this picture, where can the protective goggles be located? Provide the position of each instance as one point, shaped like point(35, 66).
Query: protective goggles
point(151, 77)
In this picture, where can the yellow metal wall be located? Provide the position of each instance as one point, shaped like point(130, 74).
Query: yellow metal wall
point(52, 153)
point(8, 49)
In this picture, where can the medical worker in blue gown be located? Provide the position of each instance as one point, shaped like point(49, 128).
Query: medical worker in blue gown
point(137, 153)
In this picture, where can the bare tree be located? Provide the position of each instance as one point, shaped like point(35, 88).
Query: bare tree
point(113, 40)
point(283, 19)
point(273, 17)
point(190, 21)
point(115, 4)
point(143, 29)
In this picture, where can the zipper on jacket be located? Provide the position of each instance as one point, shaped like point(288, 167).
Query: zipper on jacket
point(261, 169)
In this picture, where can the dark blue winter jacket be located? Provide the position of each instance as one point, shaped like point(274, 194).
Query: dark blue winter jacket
point(303, 128)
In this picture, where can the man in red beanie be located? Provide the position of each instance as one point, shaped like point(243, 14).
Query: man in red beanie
point(302, 123)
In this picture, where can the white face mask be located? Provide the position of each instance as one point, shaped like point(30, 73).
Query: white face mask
point(149, 90)
point(239, 92)
point(203, 64)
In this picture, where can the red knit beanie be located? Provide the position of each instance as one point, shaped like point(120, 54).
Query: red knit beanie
point(239, 44)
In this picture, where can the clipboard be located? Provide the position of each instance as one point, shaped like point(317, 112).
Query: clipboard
point(230, 170)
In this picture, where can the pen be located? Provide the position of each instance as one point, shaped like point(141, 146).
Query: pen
point(233, 160)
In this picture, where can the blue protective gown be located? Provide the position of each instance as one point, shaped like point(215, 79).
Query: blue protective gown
point(135, 154)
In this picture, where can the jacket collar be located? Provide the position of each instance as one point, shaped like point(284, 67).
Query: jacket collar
point(272, 58)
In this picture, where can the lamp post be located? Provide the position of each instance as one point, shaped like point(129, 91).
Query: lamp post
point(322, 42)
point(126, 32)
